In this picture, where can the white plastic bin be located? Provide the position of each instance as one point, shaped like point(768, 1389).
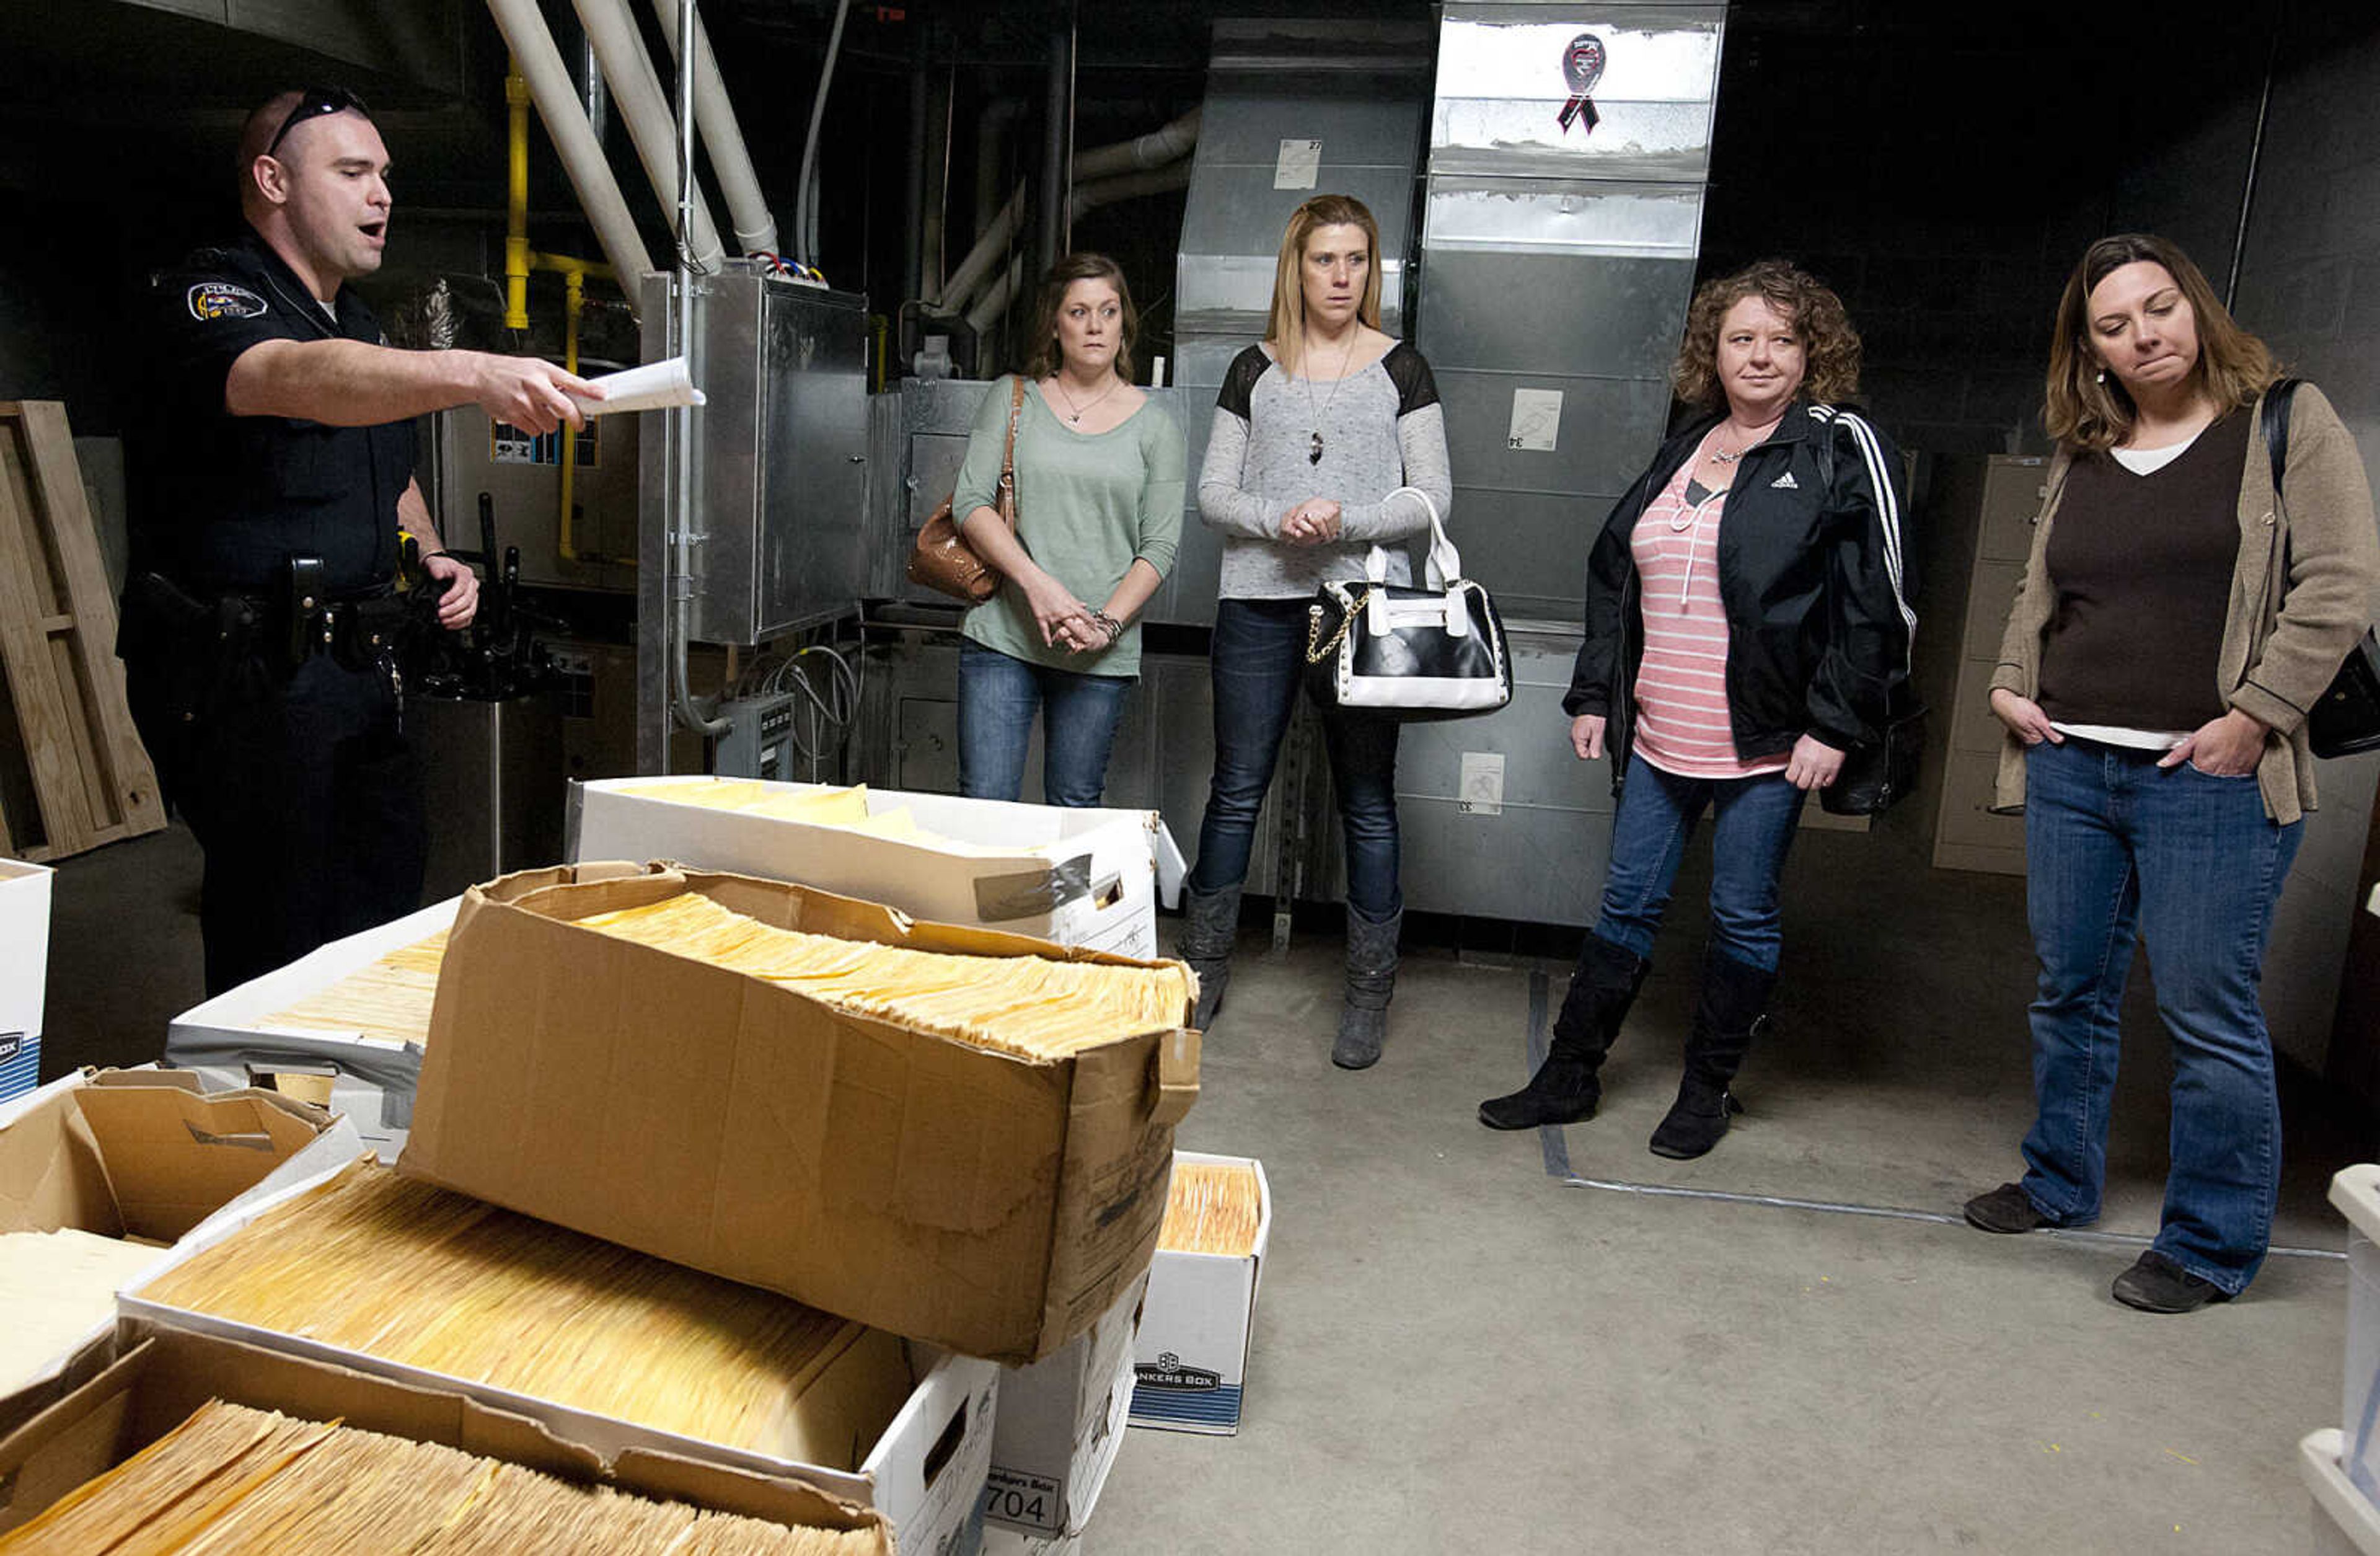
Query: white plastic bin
point(2356, 1191)
point(2345, 1521)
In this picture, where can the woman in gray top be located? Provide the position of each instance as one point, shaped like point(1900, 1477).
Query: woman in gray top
point(1315, 431)
point(1099, 516)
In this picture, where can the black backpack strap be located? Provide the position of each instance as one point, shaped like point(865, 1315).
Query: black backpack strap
point(2276, 426)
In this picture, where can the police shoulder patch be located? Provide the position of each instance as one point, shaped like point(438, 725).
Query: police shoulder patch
point(220, 299)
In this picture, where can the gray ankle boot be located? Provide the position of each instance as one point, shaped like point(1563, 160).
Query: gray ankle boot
point(1371, 983)
point(1210, 921)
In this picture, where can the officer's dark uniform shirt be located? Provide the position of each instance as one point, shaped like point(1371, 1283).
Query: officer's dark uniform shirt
point(226, 500)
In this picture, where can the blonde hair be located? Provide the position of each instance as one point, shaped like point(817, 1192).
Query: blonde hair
point(1830, 348)
point(2087, 410)
point(1286, 332)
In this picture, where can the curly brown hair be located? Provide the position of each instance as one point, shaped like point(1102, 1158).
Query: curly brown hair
point(2088, 411)
point(1830, 348)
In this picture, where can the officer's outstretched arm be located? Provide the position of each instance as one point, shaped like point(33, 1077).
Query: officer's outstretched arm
point(350, 383)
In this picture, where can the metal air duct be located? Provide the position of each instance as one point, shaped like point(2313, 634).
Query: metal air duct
point(1293, 109)
point(1558, 242)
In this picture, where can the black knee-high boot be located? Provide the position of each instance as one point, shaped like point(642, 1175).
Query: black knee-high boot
point(1564, 1090)
point(1727, 1017)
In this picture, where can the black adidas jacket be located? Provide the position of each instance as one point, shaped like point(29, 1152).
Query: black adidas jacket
point(1810, 570)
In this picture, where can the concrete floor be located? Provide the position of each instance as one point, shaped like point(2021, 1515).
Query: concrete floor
point(1469, 1341)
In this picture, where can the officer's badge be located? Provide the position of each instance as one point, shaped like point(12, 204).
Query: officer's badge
point(221, 300)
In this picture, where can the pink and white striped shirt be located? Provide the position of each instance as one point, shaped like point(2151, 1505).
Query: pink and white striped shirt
point(1682, 721)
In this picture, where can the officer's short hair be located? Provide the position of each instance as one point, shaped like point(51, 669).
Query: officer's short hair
point(271, 120)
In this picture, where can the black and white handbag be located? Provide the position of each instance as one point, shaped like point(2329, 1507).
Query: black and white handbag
point(1433, 652)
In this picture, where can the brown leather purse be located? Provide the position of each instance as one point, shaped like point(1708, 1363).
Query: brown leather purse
point(944, 561)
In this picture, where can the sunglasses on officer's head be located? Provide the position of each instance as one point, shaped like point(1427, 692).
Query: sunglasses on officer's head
point(316, 102)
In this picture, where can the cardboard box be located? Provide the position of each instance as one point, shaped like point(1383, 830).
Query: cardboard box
point(1000, 1540)
point(1191, 1357)
point(1061, 1422)
point(231, 1040)
point(24, 972)
point(924, 1470)
point(142, 1154)
point(166, 1376)
point(966, 1197)
point(1087, 878)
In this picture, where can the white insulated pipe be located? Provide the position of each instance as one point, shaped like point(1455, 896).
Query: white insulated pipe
point(1155, 149)
point(984, 258)
point(985, 313)
point(540, 64)
point(739, 185)
point(1129, 186)
point(620, 49)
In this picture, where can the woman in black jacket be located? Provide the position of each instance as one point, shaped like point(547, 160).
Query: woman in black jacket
point(1745, 626)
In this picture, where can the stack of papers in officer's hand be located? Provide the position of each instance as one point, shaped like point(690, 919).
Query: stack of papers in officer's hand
point(655, 386)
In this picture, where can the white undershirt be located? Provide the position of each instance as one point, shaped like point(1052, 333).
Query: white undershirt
point(2140, 462)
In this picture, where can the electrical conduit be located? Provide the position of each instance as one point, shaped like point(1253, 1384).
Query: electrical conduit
point(677, 552)
point(806, 194)
point(739, 185)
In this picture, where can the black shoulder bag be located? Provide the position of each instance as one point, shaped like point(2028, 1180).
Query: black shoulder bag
point(1875, 776)
point(2345, 718)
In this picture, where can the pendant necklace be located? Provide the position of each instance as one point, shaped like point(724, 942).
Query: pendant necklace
point(1313, 450)
point(1059, 383)
point(1728, 457)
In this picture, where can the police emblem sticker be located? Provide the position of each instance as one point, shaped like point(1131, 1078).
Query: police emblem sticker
point(211, 300)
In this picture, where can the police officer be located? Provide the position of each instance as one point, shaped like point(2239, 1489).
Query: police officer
point(272, 472)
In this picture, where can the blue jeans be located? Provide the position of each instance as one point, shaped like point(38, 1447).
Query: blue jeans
point(1259, 663)
point(2117, 849)
point(998, 696)
point(1756, 819)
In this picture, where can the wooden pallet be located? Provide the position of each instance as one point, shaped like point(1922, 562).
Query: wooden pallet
point(73, 774)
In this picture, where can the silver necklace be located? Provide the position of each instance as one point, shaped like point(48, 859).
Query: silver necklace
point(1728, 457)
point(1059, 383)
point(1313, 452)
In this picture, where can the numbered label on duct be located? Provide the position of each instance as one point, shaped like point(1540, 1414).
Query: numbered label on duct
point(1481, 791)
point(1299, 165)
point(1537, 421)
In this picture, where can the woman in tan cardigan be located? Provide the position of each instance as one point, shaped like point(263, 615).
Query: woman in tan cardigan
point(2177, 619)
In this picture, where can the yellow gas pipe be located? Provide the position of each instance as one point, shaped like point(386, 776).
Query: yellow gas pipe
point(516, 253)
point(520, 260)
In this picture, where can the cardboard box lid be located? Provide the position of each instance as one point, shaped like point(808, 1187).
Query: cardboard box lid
point(1012, 860)
point(174, 1156)
point(991, 1204)
point(141, 1153)
point(169, 1374)
point(50, 1172)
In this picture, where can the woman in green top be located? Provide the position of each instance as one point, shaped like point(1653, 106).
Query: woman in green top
point(1099, 516)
